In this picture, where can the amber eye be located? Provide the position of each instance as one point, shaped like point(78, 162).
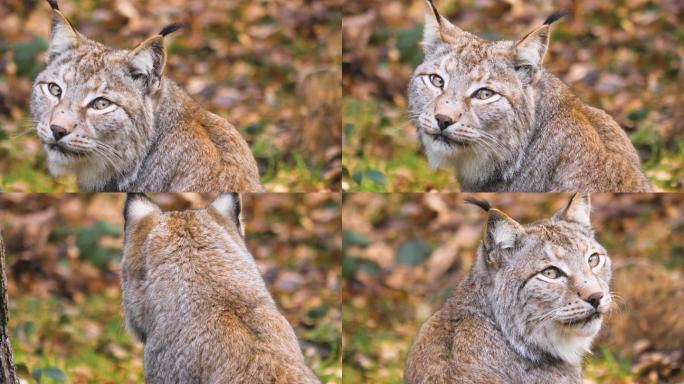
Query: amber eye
point(483, 94)
point(552, 273)
point(594, 260)
point(437, 81)
point(100, 103)
point(54, 90)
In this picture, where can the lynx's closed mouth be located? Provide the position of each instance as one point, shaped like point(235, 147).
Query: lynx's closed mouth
point(62, 150)
point(583, 321)
point(447, 140)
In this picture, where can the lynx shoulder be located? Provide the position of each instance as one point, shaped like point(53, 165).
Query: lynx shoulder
point(114, 120)
point(492, 113)
point(528, 310)
point(193, 295)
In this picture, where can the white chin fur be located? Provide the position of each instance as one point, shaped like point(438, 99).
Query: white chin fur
point(568, 343)
point(89, 173)
point(58, 163)
point(440, 155)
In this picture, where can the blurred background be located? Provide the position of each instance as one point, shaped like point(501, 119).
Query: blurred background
point(404, 253)
point(63, 255)
point(271, 68)
point(625, 57)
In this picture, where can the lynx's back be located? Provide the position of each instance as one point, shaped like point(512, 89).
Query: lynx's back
point(528, 310)
point(193, 295)
point(489, 111)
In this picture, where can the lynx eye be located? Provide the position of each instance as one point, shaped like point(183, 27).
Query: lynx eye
point(552, 273)
point(437, 81)
point(594, 260)
point(100, 103)
point(54, 89)
point(483, 94)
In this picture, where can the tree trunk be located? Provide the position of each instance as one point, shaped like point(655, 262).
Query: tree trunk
point(7, 373)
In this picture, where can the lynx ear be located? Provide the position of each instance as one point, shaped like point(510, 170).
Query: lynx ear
point(147, 60)
point(528, 53)
point(229, 206)
point(63, 35)
point(437, 29)
point(137, 207)
point(501, 231)
point(578, 210)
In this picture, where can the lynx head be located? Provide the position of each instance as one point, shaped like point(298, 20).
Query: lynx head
point(169, 257)
point(472, 100)
point(92, 105)
point(547, 282)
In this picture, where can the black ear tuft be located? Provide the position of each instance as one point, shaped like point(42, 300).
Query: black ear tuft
point(171, 28)
point(480, 203)
point(555, 16)
point(53, 4)
point(438, 17)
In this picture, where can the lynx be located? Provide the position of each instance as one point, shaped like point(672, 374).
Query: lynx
point(491, 112)
point(193, 295)
point(114, 120)
point(527, 311)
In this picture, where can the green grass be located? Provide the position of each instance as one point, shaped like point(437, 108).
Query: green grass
point(380, 153)
point(57, 341)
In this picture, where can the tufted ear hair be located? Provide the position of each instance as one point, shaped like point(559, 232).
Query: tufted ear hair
point(501, 231)
point(63, 35)
point(229, 205)
point(529, 52)
point(437, 30)
point(137, 207)
point(578, 210)
point(148, 60)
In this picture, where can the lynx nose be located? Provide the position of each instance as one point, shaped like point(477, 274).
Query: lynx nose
point(443, 121)
point(58, 131)
point(594, 299)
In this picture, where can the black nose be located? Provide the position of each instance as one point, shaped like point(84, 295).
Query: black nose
point(443, 121)
point(594, 299)
point(58, 131)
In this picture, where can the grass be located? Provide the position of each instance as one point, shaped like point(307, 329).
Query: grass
point(380, 153)
point(58, 341)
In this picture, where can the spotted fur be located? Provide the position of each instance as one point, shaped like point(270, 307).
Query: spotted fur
point(508, 322)
point(533, 134)
point(193, 295)
point(151, 136)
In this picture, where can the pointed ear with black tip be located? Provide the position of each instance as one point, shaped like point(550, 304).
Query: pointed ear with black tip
point(63, 35)
point(529, 52)
point(437, 30)
point(148, 60)
point(146, 63)
point(501, 231)
point(137, 207)
point(229, 205)
point(578, 210)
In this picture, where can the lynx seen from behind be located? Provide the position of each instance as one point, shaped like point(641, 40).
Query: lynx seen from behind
point(193, 295)
point(112, 118)
point(527, 311)
point(491, 112)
